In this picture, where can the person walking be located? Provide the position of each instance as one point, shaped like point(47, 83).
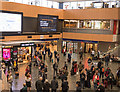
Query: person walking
point(55, 67)
point(54, 84)
point(107, 59)
point(44, 54)
point(51, 56)
point(10, 80)
point(39, 85)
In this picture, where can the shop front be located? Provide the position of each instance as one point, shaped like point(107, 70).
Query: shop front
point(76, 45)
point(25, 52)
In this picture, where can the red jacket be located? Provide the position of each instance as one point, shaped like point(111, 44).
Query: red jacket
point(96, 79)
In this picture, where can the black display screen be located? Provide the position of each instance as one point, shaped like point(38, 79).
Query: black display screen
point(47, 23)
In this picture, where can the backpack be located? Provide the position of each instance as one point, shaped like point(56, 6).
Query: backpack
point(103, 69)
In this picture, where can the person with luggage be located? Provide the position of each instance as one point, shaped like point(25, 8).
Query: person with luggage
point(65, 85)
point(55, 67)
point(39, 85)
point(82, 79)
point(54, 84)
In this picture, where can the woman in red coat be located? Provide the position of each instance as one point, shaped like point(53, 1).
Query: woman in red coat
point(95, 80)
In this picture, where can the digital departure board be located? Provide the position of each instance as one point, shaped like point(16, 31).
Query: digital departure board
point(47, 23)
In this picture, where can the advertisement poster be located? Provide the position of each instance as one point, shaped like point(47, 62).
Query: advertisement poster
point(6, 54)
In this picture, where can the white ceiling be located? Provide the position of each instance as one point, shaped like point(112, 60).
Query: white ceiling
point(79, 0)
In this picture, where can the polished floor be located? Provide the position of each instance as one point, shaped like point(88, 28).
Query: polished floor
point(17, 83)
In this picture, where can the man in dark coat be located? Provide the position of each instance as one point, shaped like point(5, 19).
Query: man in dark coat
point(54, 84)
point(39, 85)
point(46, 86)
point(65, 86)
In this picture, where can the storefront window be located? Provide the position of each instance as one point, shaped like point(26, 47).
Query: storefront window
point(87, 24)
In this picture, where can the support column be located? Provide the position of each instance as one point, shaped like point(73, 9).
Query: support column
point(59, 45)
point(60, 5)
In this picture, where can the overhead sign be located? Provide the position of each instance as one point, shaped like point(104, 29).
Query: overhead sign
point(27, 44)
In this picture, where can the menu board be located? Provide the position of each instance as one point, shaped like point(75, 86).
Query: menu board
point(47, 23)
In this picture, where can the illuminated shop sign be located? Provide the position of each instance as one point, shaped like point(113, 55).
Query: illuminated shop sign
point(27, 44)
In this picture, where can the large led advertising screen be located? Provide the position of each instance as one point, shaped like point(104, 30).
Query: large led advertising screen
point(10, 22)
point(47, 23)
point(6, 54)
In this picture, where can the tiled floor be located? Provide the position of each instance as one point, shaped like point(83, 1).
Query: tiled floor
point(17, 84)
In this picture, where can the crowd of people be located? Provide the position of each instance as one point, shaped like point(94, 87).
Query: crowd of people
point(100, 77)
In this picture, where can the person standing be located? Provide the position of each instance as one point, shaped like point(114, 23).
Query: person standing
point(98, 54)
point(24, 89)
point(55, 67)
point(55, 54)
point(69, 57)
point(82, 79)
point(54, 84)
point(28, 82)
point(65, 66)
point(58, 58)
point(81, 55)
point(95, 81)
point(65, 86)
point(39, 85)
point(80, 67)
point(93, 53)
point(107, 60)
point(44, 54)
point(102, 70)
point(48, 52)
point(46, 86)
point(78, 86)
point(64, 51)
point(10, 80)
point(50, 56)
